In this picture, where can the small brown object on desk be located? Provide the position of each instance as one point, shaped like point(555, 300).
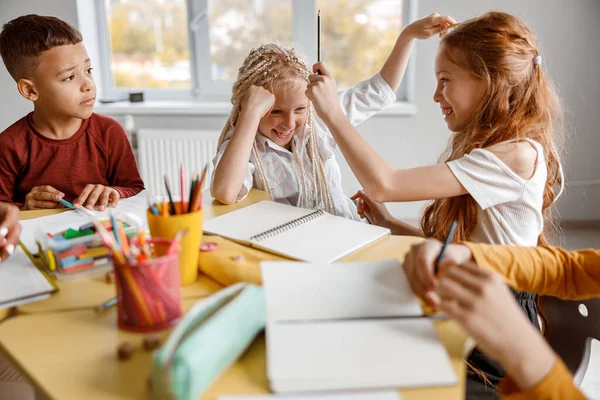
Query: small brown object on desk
point(125, 351)
point(109, 277)
point(151, 342)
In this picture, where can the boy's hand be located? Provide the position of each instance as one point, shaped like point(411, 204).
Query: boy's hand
point(430, 25)
point(419, 265)
point(42, 197)
point(322, 92)
point(259, 101)
point(10, 229)
point(97, 195)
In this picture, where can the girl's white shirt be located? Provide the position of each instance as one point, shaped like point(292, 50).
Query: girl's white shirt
point(509, 207)
point(358, 103)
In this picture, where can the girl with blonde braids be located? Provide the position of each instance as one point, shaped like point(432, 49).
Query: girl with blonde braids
point(273, 141)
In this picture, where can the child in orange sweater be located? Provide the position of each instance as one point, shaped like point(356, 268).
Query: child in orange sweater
point(470, 288)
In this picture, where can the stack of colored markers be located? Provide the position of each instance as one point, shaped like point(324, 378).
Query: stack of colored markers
point(76, 249)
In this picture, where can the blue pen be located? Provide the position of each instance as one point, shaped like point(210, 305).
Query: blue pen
point(447, 241)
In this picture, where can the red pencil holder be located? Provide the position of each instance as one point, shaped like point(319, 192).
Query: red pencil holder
point(148, 291)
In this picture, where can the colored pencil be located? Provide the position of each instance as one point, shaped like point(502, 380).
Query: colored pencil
point(182, 188)
point(171, 204)
point(191, 201)
point(106, 305)
point(198, 204)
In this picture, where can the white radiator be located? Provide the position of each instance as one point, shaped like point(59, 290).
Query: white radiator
point(160, 152)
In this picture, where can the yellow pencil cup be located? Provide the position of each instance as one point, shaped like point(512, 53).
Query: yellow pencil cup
point(166, 227)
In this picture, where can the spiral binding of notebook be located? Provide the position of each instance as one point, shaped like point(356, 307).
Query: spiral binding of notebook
point(287, 226)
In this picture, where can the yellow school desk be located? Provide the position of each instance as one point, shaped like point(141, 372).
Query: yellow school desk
point(72, 354)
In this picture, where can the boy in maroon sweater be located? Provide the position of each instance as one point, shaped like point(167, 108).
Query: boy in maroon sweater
point(62, 149)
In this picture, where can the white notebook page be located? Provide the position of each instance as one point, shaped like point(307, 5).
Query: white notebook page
point(253, 220)
point(388, 395)
point(300, 291)
point(20, 279)
point(357, 354)
point(324, 239)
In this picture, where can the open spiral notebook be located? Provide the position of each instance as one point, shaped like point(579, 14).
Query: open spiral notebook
point(294, 232)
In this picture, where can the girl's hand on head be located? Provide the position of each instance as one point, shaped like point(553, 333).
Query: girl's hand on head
point(419, 265)
point(480, 301)
point(322, 92)
point(258, 101)
point(42, 197)
point(10, 229)
point(99, 195)
point(430, 25)
point(377, 213)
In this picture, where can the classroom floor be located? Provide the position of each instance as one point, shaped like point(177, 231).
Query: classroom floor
point(573, 239)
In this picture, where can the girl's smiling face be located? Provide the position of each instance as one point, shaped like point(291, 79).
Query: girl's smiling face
point(288, 115)
point(458, 92)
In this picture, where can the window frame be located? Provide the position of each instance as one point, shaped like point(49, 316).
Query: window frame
point(203, 87)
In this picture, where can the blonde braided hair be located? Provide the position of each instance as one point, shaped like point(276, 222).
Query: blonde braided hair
point(272, 66)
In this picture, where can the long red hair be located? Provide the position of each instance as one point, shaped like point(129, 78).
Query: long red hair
point(520, 102)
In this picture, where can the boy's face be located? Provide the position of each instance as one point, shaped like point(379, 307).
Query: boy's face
point(64, 83)
point(288, 115)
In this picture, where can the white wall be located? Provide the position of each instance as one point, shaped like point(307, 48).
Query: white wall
point(567, 31)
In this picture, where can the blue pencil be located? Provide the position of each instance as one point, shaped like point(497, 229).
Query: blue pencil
point(107, 304)
point(113, 221)
point(81, 209)
point(66, 204)
point(447, 241)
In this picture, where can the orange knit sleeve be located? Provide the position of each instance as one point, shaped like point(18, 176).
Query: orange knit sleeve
point(544, 270)
point(558, 384)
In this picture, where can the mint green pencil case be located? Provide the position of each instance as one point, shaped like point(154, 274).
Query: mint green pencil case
point(209, 338)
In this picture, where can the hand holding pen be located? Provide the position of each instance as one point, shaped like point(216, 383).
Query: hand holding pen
point(42, 197)
point(421, 263)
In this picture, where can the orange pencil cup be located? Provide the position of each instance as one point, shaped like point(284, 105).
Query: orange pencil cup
point(148, 294)
point(167, 226)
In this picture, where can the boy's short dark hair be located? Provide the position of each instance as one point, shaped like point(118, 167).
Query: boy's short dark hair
point(23, 40)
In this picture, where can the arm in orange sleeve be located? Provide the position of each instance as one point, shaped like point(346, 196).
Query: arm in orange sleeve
point(558, 384)
point(544, 270)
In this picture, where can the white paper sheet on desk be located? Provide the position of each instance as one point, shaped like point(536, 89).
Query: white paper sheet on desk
point(387, 395)
point(21, 282)
point(135, 205)
point(310, 292)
